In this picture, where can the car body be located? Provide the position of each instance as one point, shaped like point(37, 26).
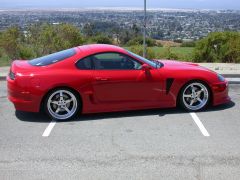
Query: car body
point(107, 78)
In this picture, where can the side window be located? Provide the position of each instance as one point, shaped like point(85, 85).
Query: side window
point(114, 61)
point(85, 64)
point(53, 58)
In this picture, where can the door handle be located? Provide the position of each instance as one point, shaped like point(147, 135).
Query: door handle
point(101, 79)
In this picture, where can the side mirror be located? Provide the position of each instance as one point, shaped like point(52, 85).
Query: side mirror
point(146, 67)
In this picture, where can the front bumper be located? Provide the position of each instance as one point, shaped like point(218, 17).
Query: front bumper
point(220, 93)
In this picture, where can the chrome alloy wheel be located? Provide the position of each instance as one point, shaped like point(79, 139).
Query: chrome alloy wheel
point(195, 96)
point(62, 104)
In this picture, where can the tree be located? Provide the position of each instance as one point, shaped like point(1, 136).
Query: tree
point(102, 39)
point(39, 40)
point(139, 41)
point(136, 30)
point(51, 38)
point(124, 37)
point(116, 34)
point(219, 47)
point(9, 42)
point(88, 29)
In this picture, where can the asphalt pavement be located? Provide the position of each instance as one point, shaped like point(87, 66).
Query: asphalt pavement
point(150, 144)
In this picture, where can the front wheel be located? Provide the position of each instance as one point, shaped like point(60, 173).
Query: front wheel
point(194, 96)
point(62, 104)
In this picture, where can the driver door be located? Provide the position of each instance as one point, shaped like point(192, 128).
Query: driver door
point(119, 79)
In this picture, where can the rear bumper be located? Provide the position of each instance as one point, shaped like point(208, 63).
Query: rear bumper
point(21, 97)
point(23, 105)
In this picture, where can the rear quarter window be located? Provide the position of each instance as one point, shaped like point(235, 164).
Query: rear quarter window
point(53, 58)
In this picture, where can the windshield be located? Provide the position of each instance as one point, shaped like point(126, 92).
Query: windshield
point(153, 63)
point(52, 58)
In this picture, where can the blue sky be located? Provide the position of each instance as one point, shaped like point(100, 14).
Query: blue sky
point(199, 4)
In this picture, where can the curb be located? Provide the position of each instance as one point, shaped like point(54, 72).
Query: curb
point(233, 80)
point(2, 78)
point(231, 75)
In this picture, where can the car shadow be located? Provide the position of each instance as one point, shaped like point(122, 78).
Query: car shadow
point(221, 107)
point(32, 117)
point(43, 118)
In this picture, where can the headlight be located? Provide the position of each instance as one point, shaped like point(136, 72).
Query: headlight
point(221, 78)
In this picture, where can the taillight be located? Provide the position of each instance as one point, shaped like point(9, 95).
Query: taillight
point(11, 75)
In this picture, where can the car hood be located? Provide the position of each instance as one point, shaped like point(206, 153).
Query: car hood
point(174, 63)
point(179, 65)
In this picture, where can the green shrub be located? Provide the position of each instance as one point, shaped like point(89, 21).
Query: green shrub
point(26, 52)
point(102, 39)
point(188, 44)
point(9, 42)
point(219, 47)
point(4, 59)
point(178, 41)
point(39, 40)
point(139, 41)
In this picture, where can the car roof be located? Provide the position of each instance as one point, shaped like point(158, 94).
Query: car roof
point(98, 48)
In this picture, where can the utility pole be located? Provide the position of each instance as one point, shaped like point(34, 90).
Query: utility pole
point(144, 28)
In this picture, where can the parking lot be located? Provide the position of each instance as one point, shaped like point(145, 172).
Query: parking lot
point(150, 144)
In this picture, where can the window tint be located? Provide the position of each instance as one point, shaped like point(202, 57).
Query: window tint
point(114, 61)
point(85, 64)
point(52, 58)
point(153, 63)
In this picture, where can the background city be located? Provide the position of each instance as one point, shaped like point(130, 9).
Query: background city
point(163, 24)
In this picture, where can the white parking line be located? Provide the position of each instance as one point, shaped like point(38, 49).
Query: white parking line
point(199, 124)
point(48, 130)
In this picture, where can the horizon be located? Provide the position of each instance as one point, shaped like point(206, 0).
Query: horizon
point(108, 4)
point(111, 9)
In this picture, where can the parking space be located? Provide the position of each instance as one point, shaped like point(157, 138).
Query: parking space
point(149, 144)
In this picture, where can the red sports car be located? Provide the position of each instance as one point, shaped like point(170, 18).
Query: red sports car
point(104, 78)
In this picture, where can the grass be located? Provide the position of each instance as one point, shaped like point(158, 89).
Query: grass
point(174, 53)
point(178, 53)
point(5, 61)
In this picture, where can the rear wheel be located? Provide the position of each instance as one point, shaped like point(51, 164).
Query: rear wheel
point(62, 104)
point(194, 96)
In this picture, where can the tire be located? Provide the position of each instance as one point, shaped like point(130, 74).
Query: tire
point(194, 96)
point(62, 104)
